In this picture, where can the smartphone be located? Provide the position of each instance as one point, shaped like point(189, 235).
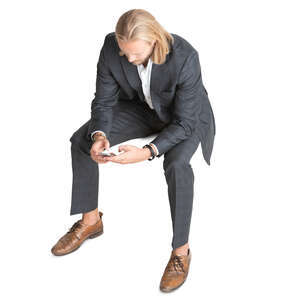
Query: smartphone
point(107, 153)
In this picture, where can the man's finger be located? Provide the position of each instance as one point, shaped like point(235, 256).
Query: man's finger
point(125, 148)
point(117, 158)
point(98, 159)
point(111, 158)
point(101, 158)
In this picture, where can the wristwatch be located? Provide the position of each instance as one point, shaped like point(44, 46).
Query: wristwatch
point(151, 150)
point(99, 134)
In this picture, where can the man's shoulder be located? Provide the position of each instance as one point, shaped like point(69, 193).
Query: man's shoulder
point(110, 44)
point(181, 46)
point(110, 35)
point(110, 38)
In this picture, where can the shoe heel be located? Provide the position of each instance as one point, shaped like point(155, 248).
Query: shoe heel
point(95, 234)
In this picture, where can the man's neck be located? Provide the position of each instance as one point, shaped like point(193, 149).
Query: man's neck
point(145, 63)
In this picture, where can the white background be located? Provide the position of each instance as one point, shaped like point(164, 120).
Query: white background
point(244, 234)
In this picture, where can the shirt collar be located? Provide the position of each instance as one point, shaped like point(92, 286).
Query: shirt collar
point(141, 66)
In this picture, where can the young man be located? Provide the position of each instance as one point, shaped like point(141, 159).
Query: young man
point(148, 81)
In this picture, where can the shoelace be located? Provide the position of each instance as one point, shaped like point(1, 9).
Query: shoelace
point(67, 238)
point(76, 225)
point(176, 263)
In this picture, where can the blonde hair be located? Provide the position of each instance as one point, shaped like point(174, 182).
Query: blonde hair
point(140, 24)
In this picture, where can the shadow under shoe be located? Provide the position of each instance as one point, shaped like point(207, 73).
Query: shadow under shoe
point(76, 235)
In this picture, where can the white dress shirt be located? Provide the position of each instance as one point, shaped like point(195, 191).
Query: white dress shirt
point(145, 76)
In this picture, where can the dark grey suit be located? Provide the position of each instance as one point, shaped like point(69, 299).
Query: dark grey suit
point(182, 117)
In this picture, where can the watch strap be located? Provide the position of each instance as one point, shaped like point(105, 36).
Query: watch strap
point(151, 150)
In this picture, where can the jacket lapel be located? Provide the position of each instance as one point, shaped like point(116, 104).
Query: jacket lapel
point(132, 75)
point(158, 74)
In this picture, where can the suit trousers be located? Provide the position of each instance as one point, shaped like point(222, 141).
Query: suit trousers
point(134, 119)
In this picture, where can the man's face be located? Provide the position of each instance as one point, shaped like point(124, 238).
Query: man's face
point(137, 51)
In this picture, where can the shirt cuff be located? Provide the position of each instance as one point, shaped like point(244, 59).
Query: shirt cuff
point(155, 148)
point(95, 132)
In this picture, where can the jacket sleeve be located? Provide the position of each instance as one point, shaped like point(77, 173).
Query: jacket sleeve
point(188, 101)
point(106, 95)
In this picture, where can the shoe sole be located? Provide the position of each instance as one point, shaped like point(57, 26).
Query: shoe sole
point(92, 236)
point(171, 290)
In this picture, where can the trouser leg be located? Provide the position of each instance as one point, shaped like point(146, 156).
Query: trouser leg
point(180, 180)
point(85, 181)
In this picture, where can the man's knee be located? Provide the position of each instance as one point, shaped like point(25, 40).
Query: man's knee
point(75, 138)
point(175, 162)
point(80, 135)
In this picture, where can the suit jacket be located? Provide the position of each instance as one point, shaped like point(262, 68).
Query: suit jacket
point(177, 93)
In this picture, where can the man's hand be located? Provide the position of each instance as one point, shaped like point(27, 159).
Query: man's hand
point(101, 143)
point(131, 154)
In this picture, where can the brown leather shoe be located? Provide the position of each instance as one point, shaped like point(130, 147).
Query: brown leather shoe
point(175, 272)
point(76, 235)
